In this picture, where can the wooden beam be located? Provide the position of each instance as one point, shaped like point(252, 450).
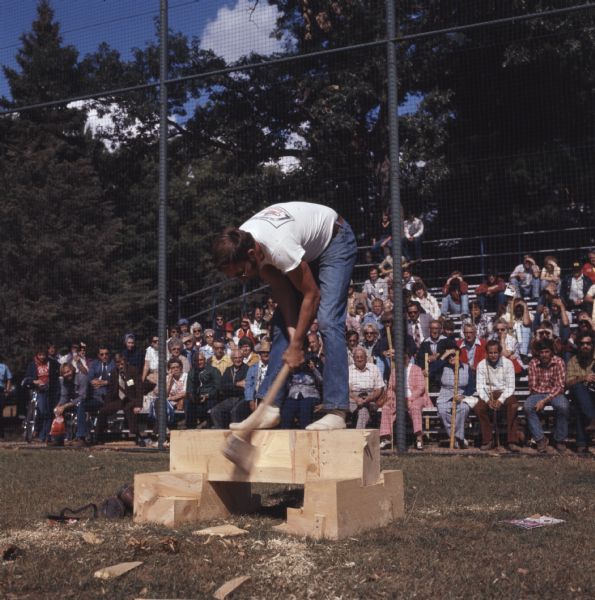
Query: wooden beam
point(282, 456)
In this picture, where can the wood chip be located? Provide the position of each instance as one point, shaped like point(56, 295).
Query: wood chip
point(91, 538)
point(221, 531)
point(230, 586)
point(116, 570)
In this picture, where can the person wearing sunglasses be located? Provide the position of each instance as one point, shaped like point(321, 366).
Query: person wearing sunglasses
point(99, 376)
point(580, 379)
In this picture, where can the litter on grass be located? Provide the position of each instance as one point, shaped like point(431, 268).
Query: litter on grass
point(532, 522)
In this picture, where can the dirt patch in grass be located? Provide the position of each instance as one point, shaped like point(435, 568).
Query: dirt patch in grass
point(449, 545)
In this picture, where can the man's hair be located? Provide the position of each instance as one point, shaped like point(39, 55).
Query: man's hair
point(493, 343)
point(246, 342)
point(469, 325)
point(585, 335)
point(418, 285)
point(174, 361)
point(547, 344)
point(231, 246)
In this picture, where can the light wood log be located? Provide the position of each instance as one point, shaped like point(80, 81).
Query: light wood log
point(339, 509)
point(175, 498)
point(282, 456)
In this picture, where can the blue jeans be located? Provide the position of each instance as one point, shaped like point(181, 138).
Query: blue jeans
point(491, 303)
point(45, 413)
point(450, 306)
point(527, 291)
point(300, 407)
point(445, 413)
point(584, 406)
point(332, 270)
point(561, 408)
point(82, 408)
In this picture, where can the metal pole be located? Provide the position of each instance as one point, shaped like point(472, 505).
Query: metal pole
point(397, 224)
point(162, 233)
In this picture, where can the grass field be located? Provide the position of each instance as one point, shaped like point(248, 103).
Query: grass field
point(450, 544)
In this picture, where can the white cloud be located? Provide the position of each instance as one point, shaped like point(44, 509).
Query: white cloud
point(243, 29)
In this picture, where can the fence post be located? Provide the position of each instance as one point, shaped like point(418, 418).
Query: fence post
point(162, 234)
point(397, 223)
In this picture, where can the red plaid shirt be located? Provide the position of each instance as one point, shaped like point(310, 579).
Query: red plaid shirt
point(548, 380)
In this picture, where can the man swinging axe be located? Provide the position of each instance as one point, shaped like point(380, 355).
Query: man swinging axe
point(306, 253)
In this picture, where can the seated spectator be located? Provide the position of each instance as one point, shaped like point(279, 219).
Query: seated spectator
point(220, 359)
point(232, 408)
point(73, 391)
point(418, 325)
point(196, 332)
point(315, 345)
point(509, 346)
point(151, 366)
point(584, 325)
point(519, 319)
point(99, 376)
point(455, 295)
point(448, 330)
point(77, 357)
point(525, 278)
point(375, 315)
point(256, 374)
point(408, 278)
point(554, 311)
point(495, 388)
point(444, 368)
point(184, 326)
point(365, 388)
point(575, 288)
point(490, 293)
point(550, 273)
point(175, 385)
point(417, 396)
point(202, 391)
point(353, 299)
point(353, 322)
point(547, 378)
point(413, 230)
point(244, 331)
point(473, 351)
point(431, 349)
point(53, 354)
point(385, 268)
point(207, 347)
point(383, 239)
point(352, 338)
point(246, 348)
point(131, 354)
point(219, 326)
point(546, 332)
point(174, 334)
point(428, 303)
point(589, 266)
point(124, 392)
point(189, 349)
point(580, 379)
point(269, 310)
point(482, 324)
point(175, 347)
point(374, 288)
point(259, 326)
point(304, 393)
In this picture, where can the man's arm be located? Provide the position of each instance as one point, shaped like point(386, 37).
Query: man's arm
point(297, 323)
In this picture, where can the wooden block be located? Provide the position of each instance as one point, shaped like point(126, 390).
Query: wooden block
point(175, 498)
point(282, 456)
point(340, 509)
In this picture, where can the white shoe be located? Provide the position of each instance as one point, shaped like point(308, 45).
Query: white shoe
point(327, 423)
point(264, 417)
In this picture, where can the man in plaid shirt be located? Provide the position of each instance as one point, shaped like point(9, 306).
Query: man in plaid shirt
point(547, 378)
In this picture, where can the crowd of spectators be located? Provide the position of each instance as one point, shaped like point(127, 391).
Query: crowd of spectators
point(534, 325)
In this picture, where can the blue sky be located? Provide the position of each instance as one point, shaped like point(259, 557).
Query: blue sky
point(226, 26)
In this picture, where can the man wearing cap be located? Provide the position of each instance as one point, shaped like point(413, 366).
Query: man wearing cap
point(306, 253)
point(525, 278)
point(574, 289)
point(256, 374)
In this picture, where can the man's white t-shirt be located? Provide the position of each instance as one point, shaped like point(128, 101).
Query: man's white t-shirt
point(291, 232)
